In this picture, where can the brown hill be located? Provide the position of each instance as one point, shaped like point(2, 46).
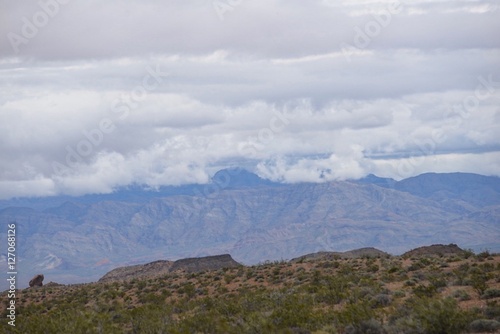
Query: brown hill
point(435, 250)
point(355, 253)
point(198, 264)
point(162, 267)
point(152, 269)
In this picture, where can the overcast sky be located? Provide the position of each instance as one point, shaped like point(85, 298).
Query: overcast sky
point(95, 95)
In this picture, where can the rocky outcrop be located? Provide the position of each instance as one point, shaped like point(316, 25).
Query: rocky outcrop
point(198, 264)
point(37, 280)
point(435, 250)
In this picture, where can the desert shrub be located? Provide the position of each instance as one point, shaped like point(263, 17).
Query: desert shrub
point(250, 273)
point(188, 289)
point(461, 274)
point(332, 289)
point(492, 310)
point(461, 295)
point(477, 280)
point(484, 325)
point(381, 300)
point(141, 285)
point(329, 264)
point(483, 255)
point(487, 267)
point(467, 253)
point(491, 293)
point(434, 316)
point(414, 267)
point(398, 294)
point(228, 278)
point(393, 270)
point(293, 310)
point(438, 281)
point(425, 261)
point(423, 291)
point(370, 326)
point(410, 282)
point(355, 314)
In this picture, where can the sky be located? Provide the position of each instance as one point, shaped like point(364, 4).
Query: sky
point(98, 95)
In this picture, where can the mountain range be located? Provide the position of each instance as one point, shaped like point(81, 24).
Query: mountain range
point(78, 239)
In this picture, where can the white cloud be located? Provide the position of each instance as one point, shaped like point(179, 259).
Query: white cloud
point(269, 87)
point(346, 164)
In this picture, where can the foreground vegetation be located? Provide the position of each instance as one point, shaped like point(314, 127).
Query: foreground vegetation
point(439, 294)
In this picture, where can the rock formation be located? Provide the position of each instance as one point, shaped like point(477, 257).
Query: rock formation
point(37, 280)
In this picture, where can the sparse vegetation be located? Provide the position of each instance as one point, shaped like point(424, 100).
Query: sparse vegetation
point(364, 295)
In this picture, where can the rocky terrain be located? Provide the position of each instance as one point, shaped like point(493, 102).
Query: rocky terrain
point(428, 292)
point(80, 239)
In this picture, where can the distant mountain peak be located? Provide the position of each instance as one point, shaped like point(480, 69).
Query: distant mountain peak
point(379, 181)
point(238, 178)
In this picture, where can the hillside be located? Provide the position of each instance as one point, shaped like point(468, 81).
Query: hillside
point(458, 293)
point(161, 268)
point(435, 250)
point(367, 252)
point(252, 219)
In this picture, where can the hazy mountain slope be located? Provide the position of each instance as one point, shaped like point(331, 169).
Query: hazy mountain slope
point(474, 189)
point(252, 221)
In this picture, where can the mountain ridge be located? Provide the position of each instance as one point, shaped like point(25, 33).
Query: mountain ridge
point(75, 240)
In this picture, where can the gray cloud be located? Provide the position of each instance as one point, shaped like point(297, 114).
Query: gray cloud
point(107, 94)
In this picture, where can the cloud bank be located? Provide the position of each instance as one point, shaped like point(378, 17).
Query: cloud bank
point(96, 95)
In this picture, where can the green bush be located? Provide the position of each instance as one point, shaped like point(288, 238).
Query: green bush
point(478, 280)
point(399, 294)
point(492, 310)
point(491, 293)
point(423, 291)
point(354, 315)
point(381, 300)
point(370, 326)
point(461, 295)
point(484, 325)
point(438, 316)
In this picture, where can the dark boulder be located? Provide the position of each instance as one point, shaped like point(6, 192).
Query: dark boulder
point(37, 280)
